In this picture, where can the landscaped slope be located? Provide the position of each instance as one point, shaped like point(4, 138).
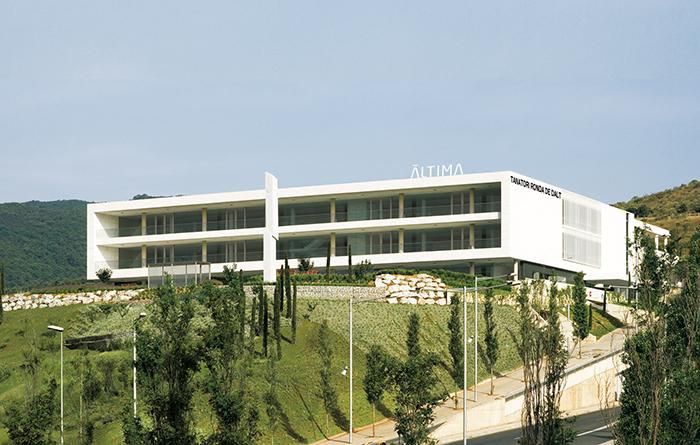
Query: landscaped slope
point(298, 370)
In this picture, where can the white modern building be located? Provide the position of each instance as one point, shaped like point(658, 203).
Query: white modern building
point(486, 223)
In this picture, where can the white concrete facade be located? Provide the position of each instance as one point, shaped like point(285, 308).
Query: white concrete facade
point(488, 223)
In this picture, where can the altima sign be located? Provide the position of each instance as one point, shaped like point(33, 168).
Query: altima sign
point(535, 186)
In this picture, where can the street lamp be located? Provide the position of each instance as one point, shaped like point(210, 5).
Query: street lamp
point(141, 315)
point(60, 330)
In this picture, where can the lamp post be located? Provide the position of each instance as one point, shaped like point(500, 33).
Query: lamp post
point(351, 298)
point(60, 330)
point(141, 315)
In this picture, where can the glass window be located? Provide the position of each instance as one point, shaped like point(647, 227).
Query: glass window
point(130, 225)
point(367, 243)
point(235, 251)
point(306, 213)
point(187, 253)
point(366, 209)
point(303, 247)
point(160, 255)
point(237, 218)
point(130, 258)
point(487, 236)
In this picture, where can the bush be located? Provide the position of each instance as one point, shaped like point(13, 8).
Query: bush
point(305, 265)
point(364, 268)
point(104, 274)
point(4, 372)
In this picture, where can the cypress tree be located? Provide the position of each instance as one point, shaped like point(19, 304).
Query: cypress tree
point(276, 320)
point(580, 312)
point(240, 297)
point(328, 261)
point(377, 378)
point(456, 346)
point(262, 301)
point(413, 336)
point(349, 261)
point(280, 288)
point(288, 288)
point(265, 321)
point(294, 313)
point(490, 337)
point(254, 317)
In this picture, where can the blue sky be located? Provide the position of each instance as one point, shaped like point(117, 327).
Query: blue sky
point(104, 100)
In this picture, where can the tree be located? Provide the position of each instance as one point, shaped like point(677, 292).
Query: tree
point(276, 319)
point(288, 288)
point(88, 392)
point(416, 397)
point(168, 359)
point(294, 313)
point(490, 348)
point(259, 291)
point(104, 274)
point(304, 265)
point(265, 321)
point(272, 405)
point(377, 378)
point(350, 261)
point(229, 365)
point(580, 310)
point(229, 274)
point(456, 345)
point(328, 261)
point(30, 419)
point(543, 354)
point(681, 404)
point(325, 353)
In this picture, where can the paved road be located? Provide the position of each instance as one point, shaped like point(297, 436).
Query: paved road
point(591, 430)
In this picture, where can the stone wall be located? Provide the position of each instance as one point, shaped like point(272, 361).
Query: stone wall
point(413, 289)
point(15, 302)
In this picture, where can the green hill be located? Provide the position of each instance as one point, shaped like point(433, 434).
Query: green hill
point(42, 243)
point(676, 209)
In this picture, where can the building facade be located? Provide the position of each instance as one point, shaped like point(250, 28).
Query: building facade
point(490, 224)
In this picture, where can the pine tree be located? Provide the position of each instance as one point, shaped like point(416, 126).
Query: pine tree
point(456, 345)
point(288, 288)
point(294, 313)
point(490, 349)
point(349, 261)
point(580, 311)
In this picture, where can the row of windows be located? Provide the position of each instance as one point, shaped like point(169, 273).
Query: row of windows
point(436, 204)
point(485, 236)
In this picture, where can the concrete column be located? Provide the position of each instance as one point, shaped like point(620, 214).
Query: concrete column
point(471, 236)
point(333, 210)
point(471, 200)
point(401, 238)
point(204, 220)
point(144, 256)
point(401, 205)
point(332, 244)
point(271, 234)
point(204, 251)
point(472, 268)
point(144, 224)
point(516, 270)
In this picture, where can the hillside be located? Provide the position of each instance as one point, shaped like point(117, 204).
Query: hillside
point(42, 243)
point(676, 209)
point(303, 416)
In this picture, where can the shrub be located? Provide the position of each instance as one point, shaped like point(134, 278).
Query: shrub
point(305, 265)
point(104, 274)
point(363, 268)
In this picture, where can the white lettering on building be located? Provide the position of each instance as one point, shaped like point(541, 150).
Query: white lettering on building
point(429, 171)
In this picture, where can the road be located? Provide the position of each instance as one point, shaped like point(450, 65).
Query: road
point(591, 429)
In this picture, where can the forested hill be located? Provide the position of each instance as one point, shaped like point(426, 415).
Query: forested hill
point(676, 209)
point(42, 243)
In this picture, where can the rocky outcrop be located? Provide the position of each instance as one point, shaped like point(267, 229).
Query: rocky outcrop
point(413, 289)
point(15, 302)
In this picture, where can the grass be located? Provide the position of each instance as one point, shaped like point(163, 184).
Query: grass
point(603, 323)
point(304, 419)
